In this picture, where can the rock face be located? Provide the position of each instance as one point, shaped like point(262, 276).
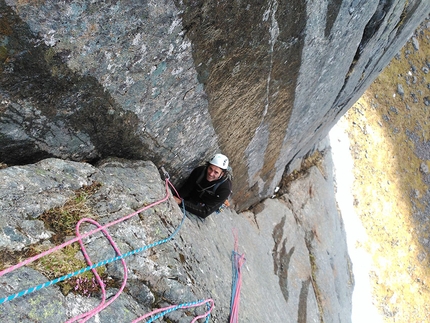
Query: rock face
point(297, 268)
point(176, 81)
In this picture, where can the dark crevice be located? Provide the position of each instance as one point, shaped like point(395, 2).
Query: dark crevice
point(309, 238)
point(369, 31)
point(373, 25)
point(333, 8)
point(282, 258)
point(371, 28)
point(408, 11)
point(284, 265)
point(302, 314)
point(278, 232)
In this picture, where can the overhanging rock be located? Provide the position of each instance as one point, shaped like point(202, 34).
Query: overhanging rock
point(176, 81)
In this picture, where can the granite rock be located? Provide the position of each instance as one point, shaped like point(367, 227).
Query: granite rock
point(176, 81)
point(297, 268)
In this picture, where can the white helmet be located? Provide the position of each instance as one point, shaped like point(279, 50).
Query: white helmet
point(220, 161)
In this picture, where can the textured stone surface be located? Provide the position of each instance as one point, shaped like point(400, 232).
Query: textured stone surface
point(294, 270)
point(175, 81)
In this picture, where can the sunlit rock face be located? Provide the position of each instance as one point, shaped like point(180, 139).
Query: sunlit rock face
point(176, 81)
point(296, 268)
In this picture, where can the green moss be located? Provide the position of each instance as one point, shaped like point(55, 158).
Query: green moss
point(49, 55)
point(3, 53)
point(63, 219)
point(314, 268)
point(315, 159)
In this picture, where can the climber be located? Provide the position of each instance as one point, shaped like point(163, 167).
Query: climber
point(207, 187)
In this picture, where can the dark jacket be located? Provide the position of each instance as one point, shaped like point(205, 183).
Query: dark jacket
point(198, 195)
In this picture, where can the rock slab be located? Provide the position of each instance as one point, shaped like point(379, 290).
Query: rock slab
point(297, 268)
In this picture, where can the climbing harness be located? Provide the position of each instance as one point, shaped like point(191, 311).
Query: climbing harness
point(237, 262)
point(103, 228)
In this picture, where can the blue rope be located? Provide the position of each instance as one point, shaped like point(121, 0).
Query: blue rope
point(101, 263)
point(235, 270)
point(152, 319)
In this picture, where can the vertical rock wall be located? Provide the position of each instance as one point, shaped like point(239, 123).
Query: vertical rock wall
point(279, 74)
point(176, 81)
point(83, 80)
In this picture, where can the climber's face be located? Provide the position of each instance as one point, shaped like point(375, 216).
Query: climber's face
point(213, 173)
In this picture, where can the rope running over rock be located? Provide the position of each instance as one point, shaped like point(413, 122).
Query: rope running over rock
point(237, 262)
point(79, 237)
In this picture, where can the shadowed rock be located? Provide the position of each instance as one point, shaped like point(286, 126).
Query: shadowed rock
point(176, 81)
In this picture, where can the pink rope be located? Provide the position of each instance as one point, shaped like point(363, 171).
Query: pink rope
point(234, 317)
point(86, 316)
point(238, 260)
point(101, 228)
point(207, 312)
point(159, 310)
